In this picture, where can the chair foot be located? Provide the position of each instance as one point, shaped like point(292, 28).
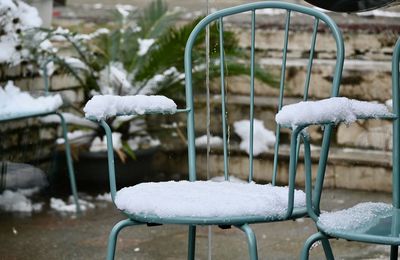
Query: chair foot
point(112, 239)
point(311, 240)
point(394, 252)
point(191, 242)
point(251, 241)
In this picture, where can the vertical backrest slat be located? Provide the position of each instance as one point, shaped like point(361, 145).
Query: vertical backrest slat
point(252, 8)
point(281, 92)
point(310, 59)
point(223, 98)
point(396, 126)
point(252, 64)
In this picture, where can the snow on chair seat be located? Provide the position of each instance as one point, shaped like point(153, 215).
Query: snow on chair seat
point(335, 110)
point(105, 106)
point(15, 103)
point(359, 218)
point(206, 199)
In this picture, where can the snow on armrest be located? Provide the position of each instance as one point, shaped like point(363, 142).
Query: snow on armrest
point(335, 110)
point(16, 103)
point(105, 106)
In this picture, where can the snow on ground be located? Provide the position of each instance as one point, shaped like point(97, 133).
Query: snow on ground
point(263, 138)
point(69, 207)
point(105, 106)
point(215, 141)
point(336, 109)
point(19, 201)
point(104, 197)
point(13, 101)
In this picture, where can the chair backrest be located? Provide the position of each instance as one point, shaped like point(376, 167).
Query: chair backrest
point(396, 126)
point(316, 18)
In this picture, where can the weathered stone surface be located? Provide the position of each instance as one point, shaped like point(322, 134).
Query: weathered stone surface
point(361, 177)
point(375, 134)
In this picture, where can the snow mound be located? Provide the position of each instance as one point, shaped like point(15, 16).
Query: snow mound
point(359, 218)
point(336, 109)
point(262, 138)
point(215, 141)
point(206, 199)
point(19, 201)
point(105, 106)
point(14, 102)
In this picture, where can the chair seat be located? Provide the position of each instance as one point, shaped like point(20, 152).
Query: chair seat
point(206, 202)
point(366, 222)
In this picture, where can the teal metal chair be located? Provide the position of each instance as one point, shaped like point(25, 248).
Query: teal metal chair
point(170, 211)
point(377, 223)
point(19, 116)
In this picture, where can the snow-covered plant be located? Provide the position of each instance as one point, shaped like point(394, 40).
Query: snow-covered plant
point(15, 18)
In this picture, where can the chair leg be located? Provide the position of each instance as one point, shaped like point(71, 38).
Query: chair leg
point(251, 241)
point(191, 242)
point(112, 238)
point(327, 249)
point(311, 240)
point(70, 165)
point(394, 252)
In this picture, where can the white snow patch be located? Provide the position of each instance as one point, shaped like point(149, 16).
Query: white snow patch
point(19, 201)
point(144, 46)
point(231, 179)
point(215, 141)
point(100, 145)
point(75, 63)
point(113, 80)
point(104, 197)
point(74, 135)
point(262, 137)
point(105, 106)
point(206, 199)
point(359, 218)
point(380, 13)
point(69, 207)
point(143, 142)
point(336, 109)
point(13, 102)
point(16, 17)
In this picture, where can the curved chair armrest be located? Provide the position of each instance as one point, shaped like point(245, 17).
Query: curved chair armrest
point(101, 107)
point(330, 111)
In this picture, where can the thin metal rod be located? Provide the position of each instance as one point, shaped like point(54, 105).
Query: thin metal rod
point(253, 43)
point(310, 59)
point(222, 70)
point(70, 165)
point(281, 92)
point(396, 127)
point(110, 155)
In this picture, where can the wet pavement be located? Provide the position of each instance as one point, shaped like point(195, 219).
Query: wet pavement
point(52, 235)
